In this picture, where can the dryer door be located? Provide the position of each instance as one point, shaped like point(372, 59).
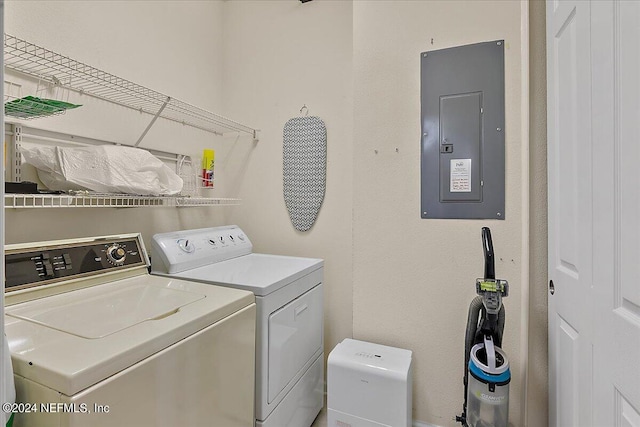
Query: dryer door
point(295, 336)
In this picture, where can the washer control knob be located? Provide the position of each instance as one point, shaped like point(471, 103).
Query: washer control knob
point(116, 254)
point(186, 245)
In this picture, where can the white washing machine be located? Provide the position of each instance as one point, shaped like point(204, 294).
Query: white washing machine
point(289, 299)
point(97, 341)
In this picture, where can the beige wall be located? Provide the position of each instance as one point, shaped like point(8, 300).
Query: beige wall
point(414, 278)
point(279, 56)
point(537, 385)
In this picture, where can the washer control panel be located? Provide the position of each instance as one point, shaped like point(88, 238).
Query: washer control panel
point(28, 267)
point(187, 249)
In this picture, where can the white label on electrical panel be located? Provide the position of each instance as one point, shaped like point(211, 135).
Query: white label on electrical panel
point(460, 180)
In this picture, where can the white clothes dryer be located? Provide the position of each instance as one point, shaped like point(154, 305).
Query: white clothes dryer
point(289, 300)
point(97, 341)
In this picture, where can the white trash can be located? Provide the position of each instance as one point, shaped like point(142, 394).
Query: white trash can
point(368, 385)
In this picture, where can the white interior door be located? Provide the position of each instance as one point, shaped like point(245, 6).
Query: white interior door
point(615, 35)
point(594, 212)
point(570, 240)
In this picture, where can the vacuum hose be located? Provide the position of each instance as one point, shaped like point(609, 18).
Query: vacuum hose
point(469, 338)
point(472, 325)
point(501, 319)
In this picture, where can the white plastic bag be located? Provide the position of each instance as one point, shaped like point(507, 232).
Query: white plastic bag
point(104, 169)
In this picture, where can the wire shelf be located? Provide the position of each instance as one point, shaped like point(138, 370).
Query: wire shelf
point(204, 201)
point(33, 60)
point(109, 201)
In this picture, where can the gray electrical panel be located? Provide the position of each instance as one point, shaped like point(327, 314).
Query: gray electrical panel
point(462, 157)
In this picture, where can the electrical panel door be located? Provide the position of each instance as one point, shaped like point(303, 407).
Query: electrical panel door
point(462, 157)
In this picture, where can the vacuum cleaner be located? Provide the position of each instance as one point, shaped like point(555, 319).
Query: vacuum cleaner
point(486, 367)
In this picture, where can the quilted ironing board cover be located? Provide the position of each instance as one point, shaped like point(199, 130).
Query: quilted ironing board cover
point(304, 167)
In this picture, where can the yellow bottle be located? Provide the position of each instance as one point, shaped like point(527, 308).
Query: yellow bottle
point(208, 162)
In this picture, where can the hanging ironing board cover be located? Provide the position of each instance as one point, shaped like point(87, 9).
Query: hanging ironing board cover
point(304, 169)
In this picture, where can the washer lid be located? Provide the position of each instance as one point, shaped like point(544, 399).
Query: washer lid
point(48, 337)
point(107, 312)
point(259, 273)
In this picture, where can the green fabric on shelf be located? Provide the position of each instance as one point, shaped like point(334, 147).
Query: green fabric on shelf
point(31, 107)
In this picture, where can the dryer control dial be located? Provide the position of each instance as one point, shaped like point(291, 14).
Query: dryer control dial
point(186, 245)
point(116, 254)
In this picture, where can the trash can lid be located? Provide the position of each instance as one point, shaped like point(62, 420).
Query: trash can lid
point(377, 356)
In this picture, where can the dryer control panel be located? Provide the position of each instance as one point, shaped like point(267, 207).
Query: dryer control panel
point(188, 249)
point(44, 264)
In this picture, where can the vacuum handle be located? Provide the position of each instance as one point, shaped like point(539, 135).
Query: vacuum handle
point(490, 349)
point(489, 262)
